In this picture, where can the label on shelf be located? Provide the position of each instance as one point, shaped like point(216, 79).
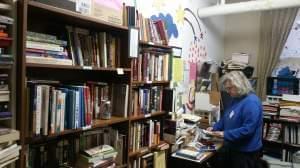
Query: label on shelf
point(147, 115)
point(87, 127)
point(148, 81)
point(87, 67)
point(120, 71)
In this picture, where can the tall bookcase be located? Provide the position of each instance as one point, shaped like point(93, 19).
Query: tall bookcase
point(150, 81)
point(36, 76)
point(41, 18)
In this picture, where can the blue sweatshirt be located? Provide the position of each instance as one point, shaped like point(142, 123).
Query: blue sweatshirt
point(242, 124)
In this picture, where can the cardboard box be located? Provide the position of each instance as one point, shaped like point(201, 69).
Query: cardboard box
point(108, 10)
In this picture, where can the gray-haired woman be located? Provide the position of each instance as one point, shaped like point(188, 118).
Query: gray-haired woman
point(241, 124)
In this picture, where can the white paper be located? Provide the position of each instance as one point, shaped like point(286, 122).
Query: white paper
point(134, 42)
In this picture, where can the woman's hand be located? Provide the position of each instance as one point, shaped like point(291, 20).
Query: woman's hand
point(209, 129)
point(219, 134)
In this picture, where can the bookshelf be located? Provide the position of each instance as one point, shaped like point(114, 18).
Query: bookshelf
point(93, 78)
point(9, 135)
point(69, 66)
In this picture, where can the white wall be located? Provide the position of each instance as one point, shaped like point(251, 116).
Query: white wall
point(242, 35)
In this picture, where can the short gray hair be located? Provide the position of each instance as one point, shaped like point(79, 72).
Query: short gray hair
point(239, 80)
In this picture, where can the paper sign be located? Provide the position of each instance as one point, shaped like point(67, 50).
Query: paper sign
point(120, 71)
point(177, 69)
point(193, 70)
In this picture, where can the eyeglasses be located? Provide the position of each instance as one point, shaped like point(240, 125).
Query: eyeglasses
point(229, 88)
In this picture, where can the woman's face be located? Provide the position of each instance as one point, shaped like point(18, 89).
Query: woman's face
point(231, 89)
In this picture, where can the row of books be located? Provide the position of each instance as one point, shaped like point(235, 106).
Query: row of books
point(144, 134)
point(271, 109)
point(152, 30)
point(150, 66)
point(87, 48)
point(292, 134)
point(86, 150)
point(147, 100)
point(83, 48)
point(56, 107)
point(5, 44)
point(272, 132)
point(150, 160)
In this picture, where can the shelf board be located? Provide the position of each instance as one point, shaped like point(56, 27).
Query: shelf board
point(149, 82)
point(283, 121)
point(6, 118)
point(97, 124)
point(121, 166)
point(91, 68)
point(144, 150)
point(139, 117)
point(151, 44)
point(104, 123)
point(72, 17)
point(5, 66)
point(281, 145)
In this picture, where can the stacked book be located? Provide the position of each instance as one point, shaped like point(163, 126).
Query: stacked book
point(99, 156)
point(4, 97)
point(238, 61)
point(270, 109)
point(290, 107)
point(46, 49)
point(5, 39)
point(8, 153)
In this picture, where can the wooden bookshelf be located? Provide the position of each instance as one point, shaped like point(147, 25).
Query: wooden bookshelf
point(279, 144)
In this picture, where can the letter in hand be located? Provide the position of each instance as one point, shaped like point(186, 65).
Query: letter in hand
point(209, 128)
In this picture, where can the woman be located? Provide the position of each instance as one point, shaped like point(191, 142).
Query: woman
point(241, 124)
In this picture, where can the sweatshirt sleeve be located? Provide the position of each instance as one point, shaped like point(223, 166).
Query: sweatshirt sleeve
point(251, 118)
point(219, 126)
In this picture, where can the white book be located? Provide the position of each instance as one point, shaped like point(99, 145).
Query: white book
point(45, 108)
point(63, 108)
point(53, 111)
point(77, 109)
point(44, 46)
point(38, 109)
point(126, 101)
point(47, 60)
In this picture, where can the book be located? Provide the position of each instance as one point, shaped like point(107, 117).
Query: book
point(8, 135)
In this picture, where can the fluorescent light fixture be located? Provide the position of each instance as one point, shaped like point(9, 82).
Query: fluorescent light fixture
point(249, 6)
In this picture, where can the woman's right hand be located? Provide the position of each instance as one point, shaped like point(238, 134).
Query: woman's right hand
point(209, 129)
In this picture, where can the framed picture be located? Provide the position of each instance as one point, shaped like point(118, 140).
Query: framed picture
point(133, 42)
point(177, 51)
